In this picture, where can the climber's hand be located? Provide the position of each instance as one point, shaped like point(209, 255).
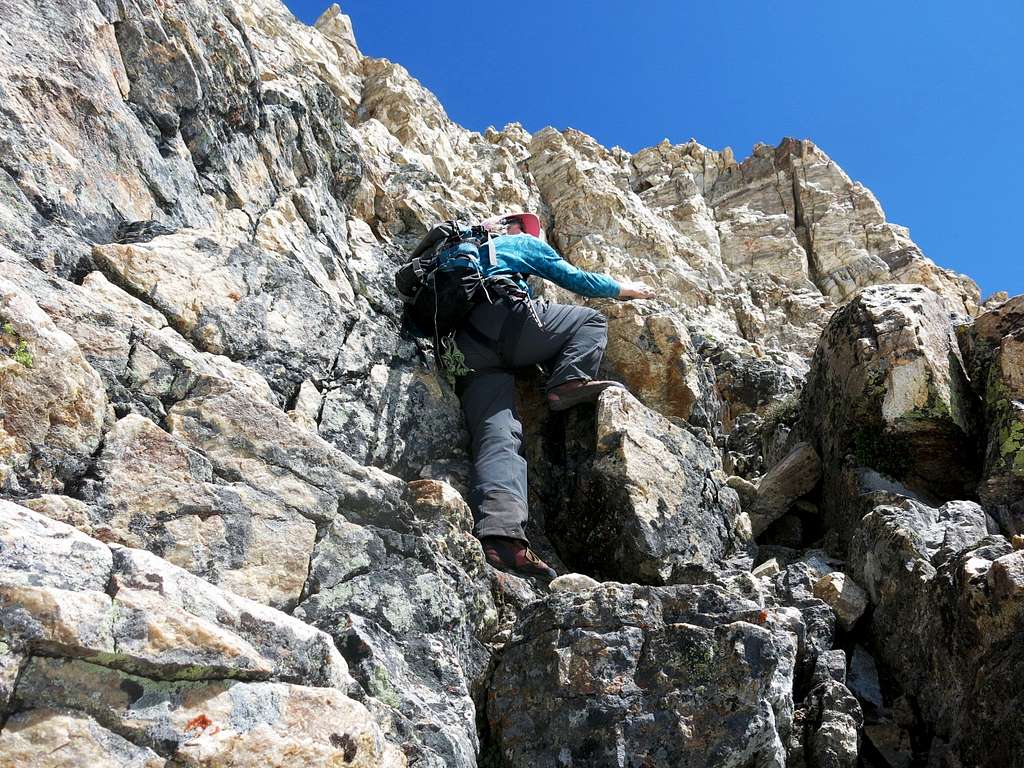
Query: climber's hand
point(636, 291)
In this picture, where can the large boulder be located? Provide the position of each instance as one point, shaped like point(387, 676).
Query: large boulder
point(831, 719)
point(948, 614)
point(888, 394)
point(52, 401)
point(666, 675)
point(791, 478)
point(993, 347)
point(144, 364)
point(103, 633)
point(156, 493)
point(645, 500)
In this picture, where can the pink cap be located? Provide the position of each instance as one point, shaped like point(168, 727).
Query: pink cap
point(528, 221)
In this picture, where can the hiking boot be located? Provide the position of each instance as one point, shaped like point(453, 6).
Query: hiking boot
point(578, 391)
point(513, 556)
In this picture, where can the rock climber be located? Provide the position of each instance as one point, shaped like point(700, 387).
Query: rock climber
point(497, 338)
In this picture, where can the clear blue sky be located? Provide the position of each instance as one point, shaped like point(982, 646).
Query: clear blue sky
point(921, 102)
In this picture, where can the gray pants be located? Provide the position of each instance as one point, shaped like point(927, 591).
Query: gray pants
point(504, 338)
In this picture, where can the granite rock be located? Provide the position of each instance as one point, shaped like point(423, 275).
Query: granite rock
point(577, 679)
point(650, 503)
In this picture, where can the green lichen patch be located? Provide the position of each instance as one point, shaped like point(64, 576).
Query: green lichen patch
point(22, 354)
point(1011, 445)
point(1006, 433)
point(379, 686)
point(14, 346)
point(935, 408)
point(784, 411)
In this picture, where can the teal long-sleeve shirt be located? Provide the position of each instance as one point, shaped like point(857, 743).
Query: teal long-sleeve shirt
point(528, 255)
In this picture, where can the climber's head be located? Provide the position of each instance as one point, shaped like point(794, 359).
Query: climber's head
point(514, 224)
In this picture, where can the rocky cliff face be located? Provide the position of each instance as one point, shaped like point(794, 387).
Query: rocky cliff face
point(232, 532)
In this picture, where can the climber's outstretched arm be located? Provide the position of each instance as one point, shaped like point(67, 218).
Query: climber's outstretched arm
point(532, 256)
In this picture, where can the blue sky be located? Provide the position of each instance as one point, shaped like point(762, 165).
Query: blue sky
point(921, 102)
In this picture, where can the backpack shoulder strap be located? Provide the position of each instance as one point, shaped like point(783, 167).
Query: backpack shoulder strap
point(436, 235)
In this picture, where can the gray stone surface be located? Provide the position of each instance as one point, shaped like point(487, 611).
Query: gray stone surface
point(207, 391)
point(649, 502)
point(946, 595)
point(888, 392)
point(791, 478)
point(670, 676)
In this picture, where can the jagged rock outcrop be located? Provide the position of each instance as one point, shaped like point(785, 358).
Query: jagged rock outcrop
point(160, 662)
point(993, 346)
point(667, 676)
point(888, 395)
point(210, 412)
point(648, 502)
point(947, 620)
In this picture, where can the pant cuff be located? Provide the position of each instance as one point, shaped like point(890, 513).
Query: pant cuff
point(501, 513)
point(509, 533)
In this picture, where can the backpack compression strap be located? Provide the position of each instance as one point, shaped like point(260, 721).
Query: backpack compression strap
point(438, 234)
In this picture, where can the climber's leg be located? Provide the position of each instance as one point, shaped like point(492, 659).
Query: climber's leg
point(498, 495)
point(570, 344)
point(498, 486)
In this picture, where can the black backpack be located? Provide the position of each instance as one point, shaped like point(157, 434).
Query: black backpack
point(443, 280)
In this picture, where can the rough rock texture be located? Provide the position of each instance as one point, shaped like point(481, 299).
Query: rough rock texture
point(653, 353)
point(888, 393)
point(29, 738)
point(649, 502)
point(832, 719)
point(157, 493)
point(668, 676)
point(160, 658)
point(215, 722)
point(211, 412)
point(993, 347)
point(947, 596)
point(410, 614)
